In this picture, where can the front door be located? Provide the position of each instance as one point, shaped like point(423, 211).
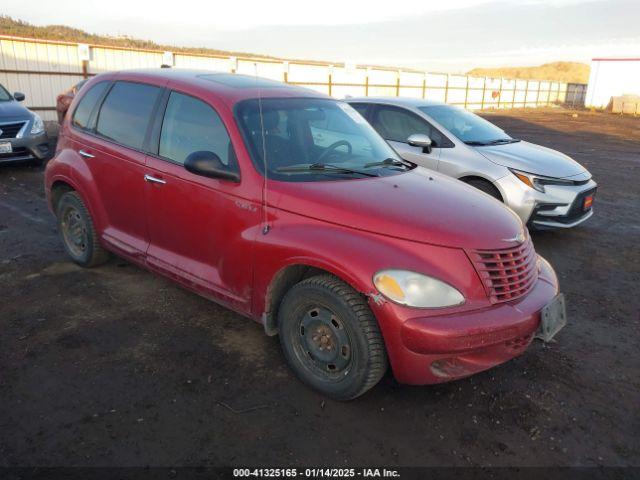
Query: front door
point(396, 124)
point(198, 226)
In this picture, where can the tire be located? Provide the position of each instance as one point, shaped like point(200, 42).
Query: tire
point(78, 233)
point(330, 337)
point(486, 187)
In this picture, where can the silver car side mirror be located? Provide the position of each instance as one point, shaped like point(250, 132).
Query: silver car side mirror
point(420, 140)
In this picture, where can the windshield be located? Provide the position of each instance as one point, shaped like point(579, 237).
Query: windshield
point(309, 139)
point(467, 126)
point(4, 95)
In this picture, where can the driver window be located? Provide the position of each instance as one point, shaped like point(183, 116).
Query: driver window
point(191, 125)
point(396, 125)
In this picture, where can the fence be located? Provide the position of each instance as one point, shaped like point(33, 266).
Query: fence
point(42, 69)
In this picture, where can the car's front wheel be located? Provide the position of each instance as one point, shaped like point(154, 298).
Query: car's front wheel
point(330, 337)
point(78, 234)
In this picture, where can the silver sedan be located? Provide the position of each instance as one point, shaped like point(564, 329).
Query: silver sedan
point(544, 187)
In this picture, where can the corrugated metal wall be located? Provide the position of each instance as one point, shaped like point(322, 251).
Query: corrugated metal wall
point(42, 69)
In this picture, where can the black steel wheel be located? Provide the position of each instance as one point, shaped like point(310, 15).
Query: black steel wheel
point(77, 231)
point(330, 337)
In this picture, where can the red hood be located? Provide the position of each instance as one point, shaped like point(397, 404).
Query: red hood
point(420, 205)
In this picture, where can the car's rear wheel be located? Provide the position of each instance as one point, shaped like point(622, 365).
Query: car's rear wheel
point(330, 337)
point(78, 233)
point(486, 187)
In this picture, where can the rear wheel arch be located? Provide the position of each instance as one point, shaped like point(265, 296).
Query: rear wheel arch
point(58, 189)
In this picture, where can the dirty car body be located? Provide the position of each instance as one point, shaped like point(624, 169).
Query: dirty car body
point(304, 220)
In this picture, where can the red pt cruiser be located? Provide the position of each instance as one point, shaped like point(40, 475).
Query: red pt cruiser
point(287, 207)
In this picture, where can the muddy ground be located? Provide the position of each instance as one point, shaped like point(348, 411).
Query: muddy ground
point(117, 366)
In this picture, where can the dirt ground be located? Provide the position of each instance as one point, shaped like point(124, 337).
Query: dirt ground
point(117, 366)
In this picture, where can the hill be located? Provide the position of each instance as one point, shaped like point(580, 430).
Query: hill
point(570, 72)
point(19, 28)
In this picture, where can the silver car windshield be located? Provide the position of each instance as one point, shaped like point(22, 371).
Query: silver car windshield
point(467, 126)
point(310, 139)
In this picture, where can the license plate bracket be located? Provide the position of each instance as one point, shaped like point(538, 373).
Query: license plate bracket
point(553, 318)
point(5, 147)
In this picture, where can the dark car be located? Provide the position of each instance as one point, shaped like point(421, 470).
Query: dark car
point(22, 132)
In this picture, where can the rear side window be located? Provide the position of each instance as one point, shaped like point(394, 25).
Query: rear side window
point(82, 114)
point(190, 125)
point(397, 124)
point(125, 113)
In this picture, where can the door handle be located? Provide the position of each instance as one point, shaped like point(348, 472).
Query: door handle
point(86, 154)
point(149, 178)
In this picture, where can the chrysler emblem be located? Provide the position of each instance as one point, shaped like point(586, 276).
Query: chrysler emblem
point(518, 238)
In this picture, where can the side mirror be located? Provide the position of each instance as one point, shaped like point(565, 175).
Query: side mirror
point(19, 96)
point(208, 164)
point(420, 140)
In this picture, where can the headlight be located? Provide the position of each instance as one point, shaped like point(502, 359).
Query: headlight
point(416, 290)
point(537, 182)
point(38, 125)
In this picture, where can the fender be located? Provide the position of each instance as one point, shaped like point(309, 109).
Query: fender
point(71, 168)
point(296, 240)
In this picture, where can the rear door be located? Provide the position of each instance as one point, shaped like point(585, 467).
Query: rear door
point(111, 143)
point(396, 124)
point(198, 226)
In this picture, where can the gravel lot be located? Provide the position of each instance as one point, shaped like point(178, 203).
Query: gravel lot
point(117, 366)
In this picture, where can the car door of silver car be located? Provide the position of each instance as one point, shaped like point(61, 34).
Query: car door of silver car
point(396, 124)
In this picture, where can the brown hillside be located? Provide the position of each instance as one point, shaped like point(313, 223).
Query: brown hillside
point(570, 72)
point(18, 28)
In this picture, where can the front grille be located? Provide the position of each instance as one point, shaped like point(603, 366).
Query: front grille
point(507, 274)
point(10, 130)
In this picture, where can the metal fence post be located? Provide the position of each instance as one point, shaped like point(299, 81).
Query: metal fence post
point(526, 94)
point(500, 93)
point(424, 86)
point(484, 89)
point(466, 93)
point(513, 97)
point(398, 83)
point(538, 94)
point(446, 90)
point(366, 83)
point(330, 75)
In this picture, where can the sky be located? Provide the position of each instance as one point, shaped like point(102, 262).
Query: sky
point(448, 36)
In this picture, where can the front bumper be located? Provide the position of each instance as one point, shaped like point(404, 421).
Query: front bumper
point(34, 147)
point(560, 206)
point(441, 348)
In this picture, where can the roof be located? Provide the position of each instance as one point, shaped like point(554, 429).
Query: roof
point(232, 87)
point(402, 101)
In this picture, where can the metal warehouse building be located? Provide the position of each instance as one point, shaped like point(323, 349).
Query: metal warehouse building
point(614, 77)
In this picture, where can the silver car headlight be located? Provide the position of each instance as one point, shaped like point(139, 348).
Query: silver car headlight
point(537, 182)
point(416, 290)
point(38, 125)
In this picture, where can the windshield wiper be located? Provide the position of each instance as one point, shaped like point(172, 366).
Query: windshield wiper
point(323, 167)
point(388, 162)
point(501, 141)
point(498, 141)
